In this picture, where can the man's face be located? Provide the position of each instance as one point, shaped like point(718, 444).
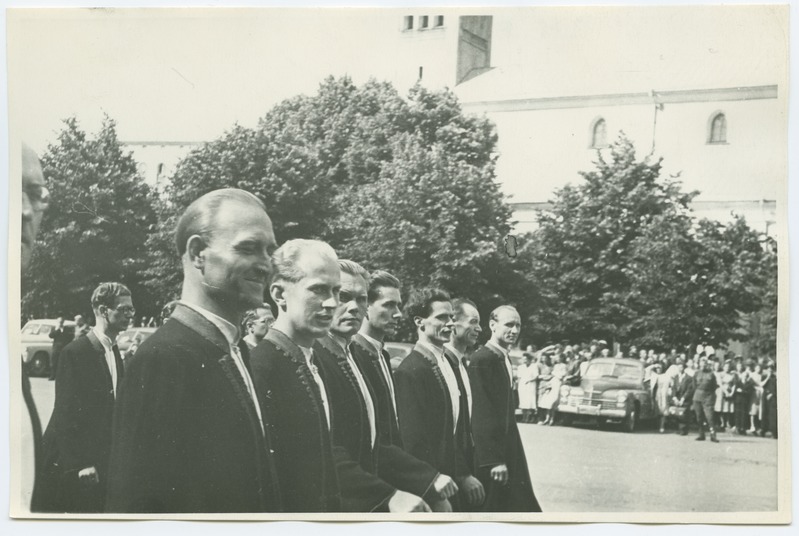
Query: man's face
point(34, 202)
point(237, 259)
point(118, 317)
point(506, 328)
point(385, 312)
point(262, 322)
point(311, 302)
point(437, 326)
point(467, 326)
point(680, 367)
point(605, 352)
point(352, 307)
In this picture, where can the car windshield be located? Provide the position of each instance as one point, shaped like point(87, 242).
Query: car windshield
point(30, 329)
point(622, 371)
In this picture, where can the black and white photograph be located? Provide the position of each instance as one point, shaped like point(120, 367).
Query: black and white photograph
point(480, 263)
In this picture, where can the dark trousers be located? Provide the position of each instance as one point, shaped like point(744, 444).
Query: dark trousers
point(704, 414)
point(685, 419)
point(742, 412)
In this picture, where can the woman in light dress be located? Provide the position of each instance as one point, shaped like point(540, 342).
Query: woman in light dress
point(528, 388)
point(727, 381)
point(550, 401)
point(661, 385)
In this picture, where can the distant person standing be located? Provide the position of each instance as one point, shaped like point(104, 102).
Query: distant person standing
point(81, 327)
point(769, 401)
point(502, 465)
point(77, 442)
point(256, 323)
point(61, 337)
point(705, 386)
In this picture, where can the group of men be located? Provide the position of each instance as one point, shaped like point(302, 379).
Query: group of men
point(302, 416)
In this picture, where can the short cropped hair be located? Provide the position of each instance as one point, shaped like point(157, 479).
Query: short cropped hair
point(285, 258)
point(354, 269)
point(199, 217)
point(421, 301)
point(457, 306)
point(495, 313)
point(252, 314)
point(379, 279)
point(107, 294)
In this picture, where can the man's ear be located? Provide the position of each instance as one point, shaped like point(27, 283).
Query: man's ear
point(277, 292)
point(417, 320)
point(195, 248)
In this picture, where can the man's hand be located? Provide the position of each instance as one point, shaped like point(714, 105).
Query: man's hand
point(500, 474)
point(89, 475)
point(473, 490)
point(403, 502)
point(445, 486)
point(442, 506)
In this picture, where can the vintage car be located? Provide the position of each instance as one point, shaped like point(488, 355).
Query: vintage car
point(37, 344)
point(127, 338)
point(397, 351)
point(613, 390)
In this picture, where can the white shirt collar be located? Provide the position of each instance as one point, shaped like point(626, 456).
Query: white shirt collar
point(498, 347)
point(230, 331)
point(104, 339)
point(437, 352)
point(374, 342)
point(454, 350)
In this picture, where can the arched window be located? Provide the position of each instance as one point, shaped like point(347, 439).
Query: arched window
point(717, 129)
point(599, 134)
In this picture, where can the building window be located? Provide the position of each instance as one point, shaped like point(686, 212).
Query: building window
point(438, 21)
point(407, 23)
point(424, 22)
point(599, 134)
point(718, 128)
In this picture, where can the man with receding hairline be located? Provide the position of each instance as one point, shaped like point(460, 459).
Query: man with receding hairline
point(502, 466)
point(189, 435)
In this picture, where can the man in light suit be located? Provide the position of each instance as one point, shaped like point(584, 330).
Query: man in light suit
point(77, 442)
point(383, 314)
point(189, 435)
point(502, 465)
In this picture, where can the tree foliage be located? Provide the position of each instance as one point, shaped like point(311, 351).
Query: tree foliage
point(402, 184)
point(95, 227)
point(621, 257)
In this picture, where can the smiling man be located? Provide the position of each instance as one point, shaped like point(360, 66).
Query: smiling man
point(428, 397)
point(189, 435)
point(502, 466)
point(292, 392)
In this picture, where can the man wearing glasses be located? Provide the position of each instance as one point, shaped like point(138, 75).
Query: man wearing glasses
point(77, 443)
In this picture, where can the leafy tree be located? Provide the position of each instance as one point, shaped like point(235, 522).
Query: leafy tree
point(405, 185)
point(621, 257)
point(95, 227)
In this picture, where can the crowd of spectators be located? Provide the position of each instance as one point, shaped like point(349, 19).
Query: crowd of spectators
point(745, 401)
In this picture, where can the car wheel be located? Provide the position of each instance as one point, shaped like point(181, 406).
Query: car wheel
point(39, 364)
point(631, 420)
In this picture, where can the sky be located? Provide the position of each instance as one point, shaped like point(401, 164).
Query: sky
point(189, 74)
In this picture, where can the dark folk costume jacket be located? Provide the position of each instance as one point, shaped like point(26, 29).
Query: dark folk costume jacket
point(496, 436)
point(78, 435)
point(395, 465)
point(292, 404)
point(187, 437)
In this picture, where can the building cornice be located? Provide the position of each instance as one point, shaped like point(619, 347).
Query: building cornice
point(625, 99)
